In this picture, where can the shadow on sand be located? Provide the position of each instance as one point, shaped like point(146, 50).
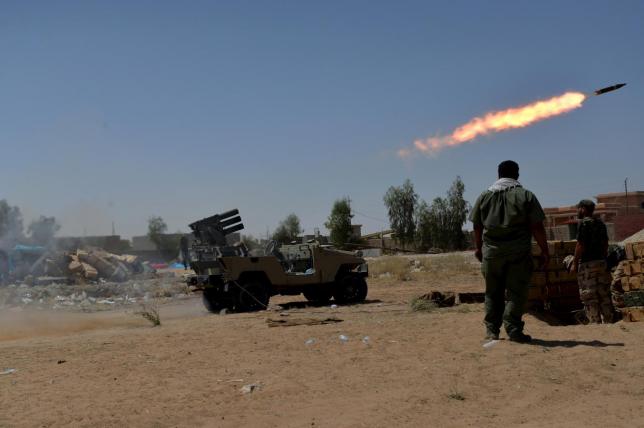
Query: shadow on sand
point(307, 304)
point(572, 343)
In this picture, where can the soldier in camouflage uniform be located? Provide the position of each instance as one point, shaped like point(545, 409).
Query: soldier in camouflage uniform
point(593, 276)
point(505, 218)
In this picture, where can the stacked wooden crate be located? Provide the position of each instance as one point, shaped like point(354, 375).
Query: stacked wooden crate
point(628, 283)
point(554, 288)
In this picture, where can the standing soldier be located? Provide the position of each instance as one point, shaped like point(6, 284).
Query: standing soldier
point(590, 264)
point(505, 218)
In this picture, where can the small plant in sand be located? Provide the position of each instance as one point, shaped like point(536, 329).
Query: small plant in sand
point(418, 304)
point(150, 311)
point(455, 395)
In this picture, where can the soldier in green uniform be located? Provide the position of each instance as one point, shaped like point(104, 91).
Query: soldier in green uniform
point(505, 218)
point(593, 276)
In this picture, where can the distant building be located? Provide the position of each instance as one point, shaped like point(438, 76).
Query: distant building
point(623, 215)
point(143, 247)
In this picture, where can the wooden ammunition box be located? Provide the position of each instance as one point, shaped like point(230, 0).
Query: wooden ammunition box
point(633, 314)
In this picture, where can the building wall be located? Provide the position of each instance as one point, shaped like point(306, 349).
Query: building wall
point(611, 208)
point(634, 204)
point(628, 225)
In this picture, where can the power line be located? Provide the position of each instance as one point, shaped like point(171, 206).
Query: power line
point(370, 217)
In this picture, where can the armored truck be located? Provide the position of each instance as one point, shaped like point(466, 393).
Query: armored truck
point(233, 279)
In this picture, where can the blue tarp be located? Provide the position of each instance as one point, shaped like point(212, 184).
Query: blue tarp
point(19, 250)
point(31, 249)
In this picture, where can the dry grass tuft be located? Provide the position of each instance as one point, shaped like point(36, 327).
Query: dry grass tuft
point(436, 267)
point(422, 305)
point(448, 265)
point(456, 396)
point(150, 311)
point(396, 266)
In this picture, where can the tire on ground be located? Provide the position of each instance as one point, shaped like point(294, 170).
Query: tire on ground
point(211, 301)
point(252, 295)
point(350, 289)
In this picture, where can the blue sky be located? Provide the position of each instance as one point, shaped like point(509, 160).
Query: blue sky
point(116, 111)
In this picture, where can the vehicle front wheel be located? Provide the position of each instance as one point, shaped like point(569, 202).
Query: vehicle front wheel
point(252, 296)
point(211, 300)
point(350, 289)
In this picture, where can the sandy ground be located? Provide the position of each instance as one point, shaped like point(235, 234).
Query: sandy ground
point(416, 369)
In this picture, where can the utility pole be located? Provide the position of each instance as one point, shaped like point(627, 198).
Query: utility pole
point(626, 193)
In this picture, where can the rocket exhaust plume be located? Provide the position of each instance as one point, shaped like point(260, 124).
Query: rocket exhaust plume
point(498, 121)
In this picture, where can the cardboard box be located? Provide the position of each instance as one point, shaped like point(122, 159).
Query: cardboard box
point(625, 283)
point(626, 268)
point(634, 283)
point(633, 314)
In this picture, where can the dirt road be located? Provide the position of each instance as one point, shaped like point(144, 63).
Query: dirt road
point(415, 369)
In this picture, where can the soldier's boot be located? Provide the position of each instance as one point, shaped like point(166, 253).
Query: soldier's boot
point(520, 337)
point(592, 311)
point(606, 304)
point(607, 313)
point(491, 335)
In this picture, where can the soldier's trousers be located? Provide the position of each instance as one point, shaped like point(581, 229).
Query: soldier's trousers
point(506, 276)
point(594, 291)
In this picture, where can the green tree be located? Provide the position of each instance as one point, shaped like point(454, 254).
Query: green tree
point(157, 227)
point(288, 230)
point(42, 231)
point(339, 223)
point(438, 214)
point(401, 208)
point(423, 227)
point(251, 242)
point(443, 221)
point(458, 209)
point(11, 224)
point(167, 245)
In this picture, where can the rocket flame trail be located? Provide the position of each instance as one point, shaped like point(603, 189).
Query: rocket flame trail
point(498, 121)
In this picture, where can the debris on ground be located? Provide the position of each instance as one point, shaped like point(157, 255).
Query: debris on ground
point(86, 279)
point(8, 371)
point(301, 321)
point(250, 388)
point(92, 296)
point(41, 266)
point(445, 299)
point(490, 344)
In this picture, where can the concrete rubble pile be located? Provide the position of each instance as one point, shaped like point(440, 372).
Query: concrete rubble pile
point(83, 266)
point(628, 283)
